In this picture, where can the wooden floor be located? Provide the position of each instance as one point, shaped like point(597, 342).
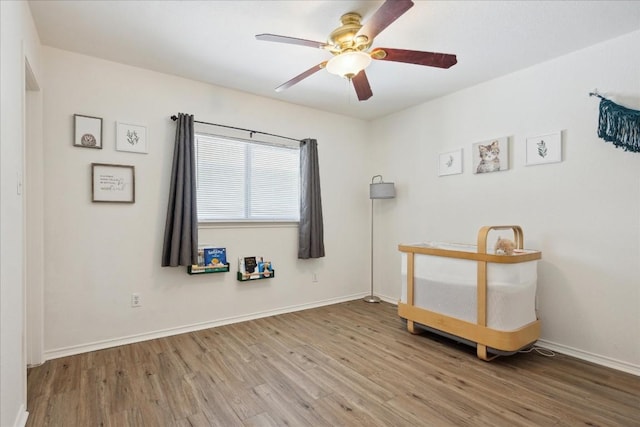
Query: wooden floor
point(349, 364)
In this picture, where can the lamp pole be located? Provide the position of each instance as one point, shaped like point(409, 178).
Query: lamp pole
point(378, 190)
point(371, 297)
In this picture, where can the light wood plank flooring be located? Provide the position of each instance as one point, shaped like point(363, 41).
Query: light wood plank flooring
point(349, 364)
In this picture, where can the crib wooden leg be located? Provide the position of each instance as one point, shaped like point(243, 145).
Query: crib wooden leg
point(411, 327)
point(481, 351)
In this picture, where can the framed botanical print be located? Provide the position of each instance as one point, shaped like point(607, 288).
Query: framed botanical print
point(450, 163)
point(130, 137)
point(544, 149)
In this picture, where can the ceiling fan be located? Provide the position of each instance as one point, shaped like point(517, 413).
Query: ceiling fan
point(351, 42)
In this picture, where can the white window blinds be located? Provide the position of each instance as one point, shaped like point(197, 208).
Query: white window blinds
point(240, 180)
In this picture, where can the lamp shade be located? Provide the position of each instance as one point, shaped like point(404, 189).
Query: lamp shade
point(382, 190)
point(348, 64)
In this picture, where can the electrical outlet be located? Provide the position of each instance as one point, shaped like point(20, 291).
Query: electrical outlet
point(136, 300)
point(314, 277)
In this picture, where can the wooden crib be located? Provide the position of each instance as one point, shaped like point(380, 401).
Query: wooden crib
point(490, 342)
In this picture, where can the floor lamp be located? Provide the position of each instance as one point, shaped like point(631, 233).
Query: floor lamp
point(378, 190)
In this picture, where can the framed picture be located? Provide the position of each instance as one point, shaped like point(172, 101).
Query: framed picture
point(491, 155)
point(450, 163)
point(544, 149)
point(113, 183)
point(87, 131)
point(130, 137)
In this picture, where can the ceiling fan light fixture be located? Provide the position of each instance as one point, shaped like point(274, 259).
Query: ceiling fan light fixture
point(348, 64)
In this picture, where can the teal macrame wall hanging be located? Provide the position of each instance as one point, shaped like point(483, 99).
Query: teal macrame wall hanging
point(619, 125)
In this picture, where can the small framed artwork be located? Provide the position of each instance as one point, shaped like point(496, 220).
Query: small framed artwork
point(544, 149)
point(87, 131)
point(130, 137)
point(491, 155)
point(450, 163)
point(112, 183)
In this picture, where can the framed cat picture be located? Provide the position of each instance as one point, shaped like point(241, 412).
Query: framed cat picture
point(491, 155)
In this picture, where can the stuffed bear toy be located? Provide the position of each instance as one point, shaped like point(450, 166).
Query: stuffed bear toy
point(504, 246)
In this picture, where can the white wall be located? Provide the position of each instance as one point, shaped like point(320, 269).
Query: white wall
point(96, 255)
point(18, 42)
point(583, 213)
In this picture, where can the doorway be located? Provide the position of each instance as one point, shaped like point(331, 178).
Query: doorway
point(33, 199)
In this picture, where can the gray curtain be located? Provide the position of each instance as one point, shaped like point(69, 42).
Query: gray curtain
point(311, 231)
point(181, 228)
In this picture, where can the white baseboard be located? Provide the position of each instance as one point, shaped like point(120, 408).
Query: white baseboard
point(591, 357)
point(100, 345)
point(574, 352)
point(21, 417)
point(130, 339)
point(393, 301)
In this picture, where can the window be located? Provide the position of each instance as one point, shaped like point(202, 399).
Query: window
point(239, 180)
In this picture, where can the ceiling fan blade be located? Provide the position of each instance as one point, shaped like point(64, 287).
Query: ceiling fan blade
point(430, 59)
point(290, 40)
point(383, 17)
point(301, 76)
point(362, 87)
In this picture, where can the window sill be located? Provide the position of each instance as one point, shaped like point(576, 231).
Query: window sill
point(247, 224)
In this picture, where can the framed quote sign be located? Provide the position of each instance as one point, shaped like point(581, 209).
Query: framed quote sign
point(112, 183)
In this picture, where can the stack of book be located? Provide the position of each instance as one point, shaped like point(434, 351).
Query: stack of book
point(254, 268)
point(210, 260)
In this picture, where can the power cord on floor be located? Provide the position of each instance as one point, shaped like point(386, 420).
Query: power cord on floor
point(540, 350)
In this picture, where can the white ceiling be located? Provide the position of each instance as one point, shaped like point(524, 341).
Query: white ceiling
point(213, 42)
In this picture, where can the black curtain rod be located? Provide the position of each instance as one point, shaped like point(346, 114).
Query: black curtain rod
point(251, 132)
